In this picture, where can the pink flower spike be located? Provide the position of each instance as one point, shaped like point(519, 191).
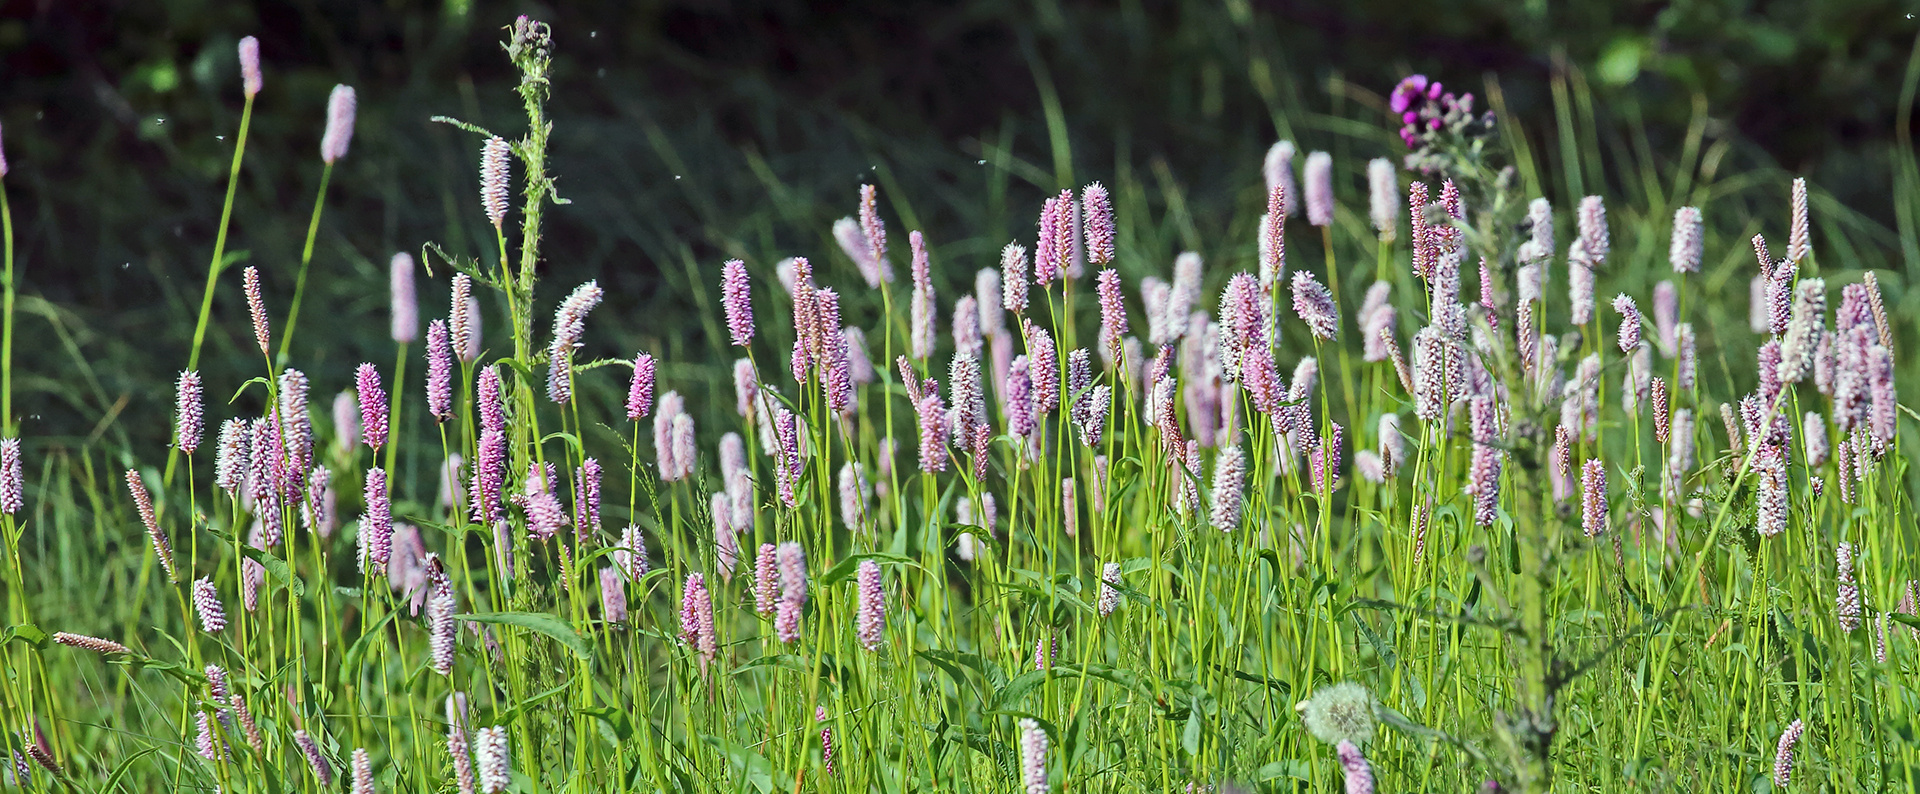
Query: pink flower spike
point(250, 82)
point(735, 297)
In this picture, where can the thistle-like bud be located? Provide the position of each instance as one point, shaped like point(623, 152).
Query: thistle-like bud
point(340, 111)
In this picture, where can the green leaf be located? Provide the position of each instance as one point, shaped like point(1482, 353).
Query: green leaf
point(1015, 690)
point(539, 622)
point(126, 766)
point(276, 568)
point(615, 719)
point(845, 568)
point(27, 633)
point(1190, 738)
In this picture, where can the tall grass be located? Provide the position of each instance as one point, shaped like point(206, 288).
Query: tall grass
point(903, 564)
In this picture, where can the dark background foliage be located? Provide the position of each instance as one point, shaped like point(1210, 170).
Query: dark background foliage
point(690, 130)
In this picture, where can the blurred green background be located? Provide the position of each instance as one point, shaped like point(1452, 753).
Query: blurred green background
point(688, 131)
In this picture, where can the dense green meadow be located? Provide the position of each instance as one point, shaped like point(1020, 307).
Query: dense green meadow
point(1372, 469)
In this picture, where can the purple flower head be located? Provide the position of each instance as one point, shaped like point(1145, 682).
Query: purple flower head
point(1044, 368)
point(934, 428)
point(875, 232)
point(340, 111)
point(1229, 486)
point(439, 371)
point(376, 525)
point(1013, 278)
point(1109, 595)
point(1099, 220)
point(1315, 306)
point(1272, 237)
point(766, 573)
point(1277, 168)
point(870, 619)
point(1054, 245)
point(1033, 757)
point(1319, 178)
point(1383, 196)
point(495, 165)
point(491, 755)
point(373, 406)
point(923, 308)
point(1687, 247)
point(206, 603)
point(1799, 239)
point(189, 419)
point(250, 82)
point(12, 477)
point(1412, 89)
point(143, 504)
point(404, 301)
point(569, 325)
point(586, 498)
point(1592, 219)
point(640, 389)
point(1483, 483)
point(1359, 774)
point(322, 771)
point(1593, 498)
point(233, 461)
point(736, 297)
point(967, 336)
point(1783, 754)
point(257, 308)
